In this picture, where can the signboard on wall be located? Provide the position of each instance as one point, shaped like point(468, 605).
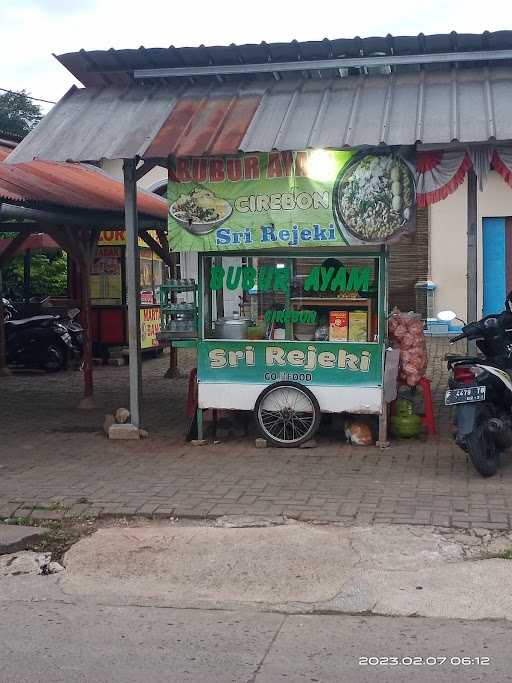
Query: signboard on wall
point(106, 277)
point(311, 363)
point(311, 199)
point(111, 238)
point(149, 327)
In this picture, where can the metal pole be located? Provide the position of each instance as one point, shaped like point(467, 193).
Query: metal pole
point(219, 294)
point(133, 289)
point(472, 269)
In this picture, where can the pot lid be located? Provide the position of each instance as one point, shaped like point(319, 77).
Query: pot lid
point(233, 321)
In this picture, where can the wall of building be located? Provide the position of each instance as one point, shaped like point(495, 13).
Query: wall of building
point(156, 175)
point(408, 264)
point(448, 240)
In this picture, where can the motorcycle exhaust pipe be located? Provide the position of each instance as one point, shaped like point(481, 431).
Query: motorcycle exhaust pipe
point(500, 432)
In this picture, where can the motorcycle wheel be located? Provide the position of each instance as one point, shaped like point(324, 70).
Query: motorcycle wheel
point(53, 359)
point(482, 451)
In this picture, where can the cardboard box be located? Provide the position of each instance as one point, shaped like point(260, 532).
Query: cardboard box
point(338, 325)
point(358, 326)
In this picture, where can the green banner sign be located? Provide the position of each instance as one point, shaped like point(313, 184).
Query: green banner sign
point(311, 199)
point(313, 363)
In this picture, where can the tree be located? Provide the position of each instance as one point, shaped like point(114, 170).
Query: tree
point(18, 114)
point(48, 274)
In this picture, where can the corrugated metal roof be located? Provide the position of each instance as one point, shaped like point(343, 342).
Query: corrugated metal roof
point(71, 185)
point(400, 109)
point(110, 67)
point(91, 124)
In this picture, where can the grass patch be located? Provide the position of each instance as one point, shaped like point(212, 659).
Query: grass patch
point(54, 507)
point(507, 555)
point(61, 534)
point(20, 521)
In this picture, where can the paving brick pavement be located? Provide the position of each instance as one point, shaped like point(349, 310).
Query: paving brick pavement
point(51, 453)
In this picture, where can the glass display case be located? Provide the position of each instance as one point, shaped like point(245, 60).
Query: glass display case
point(294, 298)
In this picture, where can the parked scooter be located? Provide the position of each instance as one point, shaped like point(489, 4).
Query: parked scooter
point(46, 341)
point(481, 389)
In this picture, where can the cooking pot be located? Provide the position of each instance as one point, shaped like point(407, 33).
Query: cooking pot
point(232, 328)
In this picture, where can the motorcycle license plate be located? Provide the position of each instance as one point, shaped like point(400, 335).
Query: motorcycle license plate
point(465, 395)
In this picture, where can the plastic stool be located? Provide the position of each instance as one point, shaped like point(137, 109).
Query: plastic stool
point(427, 419)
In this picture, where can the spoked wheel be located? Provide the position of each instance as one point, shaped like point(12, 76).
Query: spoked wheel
point(287, 414)
point(482, 449)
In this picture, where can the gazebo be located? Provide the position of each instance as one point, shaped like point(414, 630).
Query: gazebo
point(71, 203)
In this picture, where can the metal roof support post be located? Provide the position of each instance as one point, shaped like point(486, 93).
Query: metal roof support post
point(472, 270)
point(133, 289)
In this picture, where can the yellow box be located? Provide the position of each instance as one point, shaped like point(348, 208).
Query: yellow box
point(358, 326)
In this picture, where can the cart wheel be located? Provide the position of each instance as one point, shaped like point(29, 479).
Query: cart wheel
point(287, 413)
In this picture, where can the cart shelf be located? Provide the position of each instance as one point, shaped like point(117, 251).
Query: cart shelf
point(329, 301)
point(180, 336)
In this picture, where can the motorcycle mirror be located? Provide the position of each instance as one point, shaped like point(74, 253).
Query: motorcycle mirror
point(446, 316)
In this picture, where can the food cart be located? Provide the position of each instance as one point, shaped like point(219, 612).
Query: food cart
point(309, 230)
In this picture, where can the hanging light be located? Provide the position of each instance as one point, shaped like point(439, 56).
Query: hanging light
point(321, 165)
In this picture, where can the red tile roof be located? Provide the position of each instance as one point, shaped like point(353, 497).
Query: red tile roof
point(33, 242)
point(72, 186)
point(4, 151)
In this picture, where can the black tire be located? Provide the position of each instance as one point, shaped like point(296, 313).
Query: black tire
point(53, 359)
point(482, 450)
point(309, 423)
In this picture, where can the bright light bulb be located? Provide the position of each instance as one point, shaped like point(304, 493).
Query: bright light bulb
point(321, 165)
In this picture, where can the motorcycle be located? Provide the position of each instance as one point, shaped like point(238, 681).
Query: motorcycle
point(47, 342)
point(480, 388)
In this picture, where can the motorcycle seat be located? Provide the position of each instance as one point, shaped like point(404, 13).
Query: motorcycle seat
point(456, 358)
point(35, 319)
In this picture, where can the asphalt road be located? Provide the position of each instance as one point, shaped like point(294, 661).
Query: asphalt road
point(50, 639)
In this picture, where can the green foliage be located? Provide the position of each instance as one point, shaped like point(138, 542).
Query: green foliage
point(48, 274)
point(18, 113)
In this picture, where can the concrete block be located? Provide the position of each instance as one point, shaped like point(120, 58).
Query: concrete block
point(14, 537)
point(125, 432)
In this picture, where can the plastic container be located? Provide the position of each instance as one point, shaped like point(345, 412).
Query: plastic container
point(435, 326)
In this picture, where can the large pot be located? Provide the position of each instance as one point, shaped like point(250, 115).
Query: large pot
point(232, 328)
